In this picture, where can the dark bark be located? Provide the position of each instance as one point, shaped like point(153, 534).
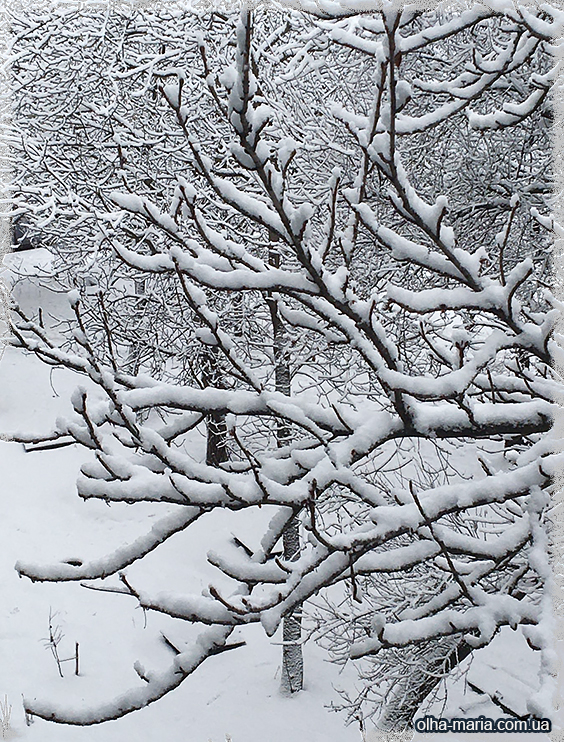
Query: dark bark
point(216, 445)
point(292, 656)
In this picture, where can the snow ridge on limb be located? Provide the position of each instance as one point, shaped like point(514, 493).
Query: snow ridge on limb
point(113, 563)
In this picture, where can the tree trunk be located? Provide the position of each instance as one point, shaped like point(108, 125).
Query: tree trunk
point(216, 445)
point(292, 656)
point(133, 362)
point(409, 695)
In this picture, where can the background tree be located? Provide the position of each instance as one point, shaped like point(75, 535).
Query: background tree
point(402, 373)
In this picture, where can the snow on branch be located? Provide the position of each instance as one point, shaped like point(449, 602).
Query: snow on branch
point(211, 641)
point(111, 564)
point(324, 300)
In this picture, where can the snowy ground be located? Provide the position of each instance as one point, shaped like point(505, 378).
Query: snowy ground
point(235, 694)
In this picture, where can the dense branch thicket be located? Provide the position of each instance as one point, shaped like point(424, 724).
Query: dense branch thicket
point(323, 238)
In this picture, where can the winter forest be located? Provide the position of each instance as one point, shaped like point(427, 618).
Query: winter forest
point(281, 369)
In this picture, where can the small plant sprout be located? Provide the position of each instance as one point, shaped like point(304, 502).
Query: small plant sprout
point(5, 713)
point(52, 642)
point(55, 637)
